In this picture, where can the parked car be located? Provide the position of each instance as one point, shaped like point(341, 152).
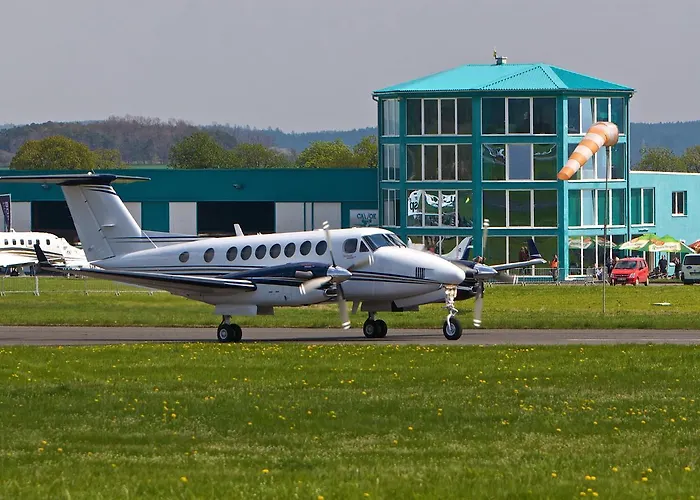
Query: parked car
point(632, 270)
point(690, 270)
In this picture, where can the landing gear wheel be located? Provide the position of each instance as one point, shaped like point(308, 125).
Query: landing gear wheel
point(370, 329)
point(452, 329)
point(381, 329)
point(229, 333)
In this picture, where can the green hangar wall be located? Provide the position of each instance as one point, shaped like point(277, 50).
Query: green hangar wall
point(212, 201)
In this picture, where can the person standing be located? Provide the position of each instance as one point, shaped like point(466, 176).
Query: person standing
point(554, 267)
point(663, 266)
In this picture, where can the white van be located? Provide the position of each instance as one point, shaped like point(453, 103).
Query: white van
point(690, 271)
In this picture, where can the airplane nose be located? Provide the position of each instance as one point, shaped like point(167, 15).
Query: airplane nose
point(449, 274)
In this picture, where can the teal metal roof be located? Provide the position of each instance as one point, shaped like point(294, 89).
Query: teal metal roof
point(505, 77)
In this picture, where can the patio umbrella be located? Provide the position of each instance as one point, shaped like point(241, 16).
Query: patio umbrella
point(668, 243)
point(640, 243)
point(577, 242)
point(695, 245)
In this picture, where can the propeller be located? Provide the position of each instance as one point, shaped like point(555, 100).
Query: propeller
point(336, 275)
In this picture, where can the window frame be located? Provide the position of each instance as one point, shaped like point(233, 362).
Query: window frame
point(439, 147)
point(597, 208)
point(507, 116)
point(677, 211)
point(439, 213)
point(439, 116)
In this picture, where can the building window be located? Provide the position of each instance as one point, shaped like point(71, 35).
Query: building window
point(587, 208)
point(390, 117)
point(678, 203)
point(648, 206)
point(493, 162)
point(447, 162)
point(390, 200)
point(493, 115)
point(544, 158)
point(441, 245)
point(581, 114)
point(521, 208)
point(518, 116)
point(438, 116)
point(617, 113)
point(390, 162)
point(495, 207)
point(519, 162)
point(574, 113)
point(602, 109)
point(432, 208)
point(545, 208)
point(465, 209)
point(544, 115)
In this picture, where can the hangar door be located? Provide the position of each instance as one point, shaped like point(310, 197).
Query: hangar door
point(54, 217)
point(216, 218)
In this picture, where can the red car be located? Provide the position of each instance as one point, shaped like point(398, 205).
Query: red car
point(633, 270)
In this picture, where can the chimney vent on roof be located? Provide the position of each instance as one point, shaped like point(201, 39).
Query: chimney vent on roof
point(500, 60)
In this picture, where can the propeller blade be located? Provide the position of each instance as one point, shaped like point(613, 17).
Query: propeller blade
point(360, 264)
point(478, 306)
point(484, 236)
point(506, 278)
point(343, 310)
point(327, 232)
point(314, 283)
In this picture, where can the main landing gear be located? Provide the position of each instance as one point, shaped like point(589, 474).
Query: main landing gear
point(451, 328)
point(374, 328)
point(227, 331)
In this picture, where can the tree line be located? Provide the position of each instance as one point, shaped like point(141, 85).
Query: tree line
point(663, 159)
point(198, 150)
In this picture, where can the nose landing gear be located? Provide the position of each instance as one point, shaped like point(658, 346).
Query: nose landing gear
point(451, 328)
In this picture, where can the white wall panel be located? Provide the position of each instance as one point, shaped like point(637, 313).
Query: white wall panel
point(183, 217)
point(327, 212)
point(21, 216)
point(289, 217)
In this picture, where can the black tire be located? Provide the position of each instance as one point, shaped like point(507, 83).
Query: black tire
point(229, 333)
point(370, 329)
point(452, 330)
point(382, 329)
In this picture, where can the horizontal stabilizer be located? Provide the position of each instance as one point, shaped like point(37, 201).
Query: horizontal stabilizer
point(73, 179)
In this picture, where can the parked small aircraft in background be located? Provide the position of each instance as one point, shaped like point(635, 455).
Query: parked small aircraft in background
point(17, 249)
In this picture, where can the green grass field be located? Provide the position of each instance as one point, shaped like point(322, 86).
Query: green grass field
point(339, 421)
point(531, 306)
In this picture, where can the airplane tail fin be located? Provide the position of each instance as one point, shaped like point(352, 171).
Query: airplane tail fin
point(532, 248)
point(466, 250)
point(105, 226)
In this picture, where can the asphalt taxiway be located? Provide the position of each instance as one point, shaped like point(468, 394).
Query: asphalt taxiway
point(70, 335)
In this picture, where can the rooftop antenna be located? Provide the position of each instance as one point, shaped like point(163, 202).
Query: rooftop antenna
point(500, 60)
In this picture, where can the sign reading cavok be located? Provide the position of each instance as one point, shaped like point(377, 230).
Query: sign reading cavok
point(364, 218)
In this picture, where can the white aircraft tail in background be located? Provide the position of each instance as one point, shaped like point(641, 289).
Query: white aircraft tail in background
point(17, 249)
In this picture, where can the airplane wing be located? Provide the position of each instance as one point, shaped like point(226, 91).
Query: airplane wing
point(535, 258)
point(8, 260)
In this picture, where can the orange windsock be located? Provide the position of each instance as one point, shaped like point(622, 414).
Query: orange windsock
point(599, 135)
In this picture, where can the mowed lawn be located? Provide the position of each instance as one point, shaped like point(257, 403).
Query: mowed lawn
point(531, 306)
point(346, 421)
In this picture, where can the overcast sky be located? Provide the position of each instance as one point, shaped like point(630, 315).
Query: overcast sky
point(308, 65)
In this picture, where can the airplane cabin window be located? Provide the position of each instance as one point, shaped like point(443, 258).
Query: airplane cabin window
point(305, 248)
point(231, 253)
point(14, 242)
point(289, 249)
point(260, 252)
point(246, 252)
point(350, 245)
point(209, 255)
point(48, 242)
point(184, 257)
point(363, 247)
point(275, 250)
point(29, 242)
point(7, 242)
point(321, 247)
point(21, 242)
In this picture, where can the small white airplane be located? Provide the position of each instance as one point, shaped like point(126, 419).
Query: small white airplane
point(17, 249)
point(249, 275)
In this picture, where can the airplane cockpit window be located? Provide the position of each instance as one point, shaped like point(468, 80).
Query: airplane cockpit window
point(305, 248)
point(275, 250)
point(246, 252)
point(231, 254)
point(209, 255)
point(321, 247)
point(397, 241)
point(184, 257)
point(260, 252)
point(289, 249)
point(350, 245)
point(363, 247)
point(378, 240)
